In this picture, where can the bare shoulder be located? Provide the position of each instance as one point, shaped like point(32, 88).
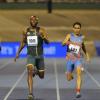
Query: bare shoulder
point(25, 30)
point(68, 35)
point(83, 37)
point(42, 28)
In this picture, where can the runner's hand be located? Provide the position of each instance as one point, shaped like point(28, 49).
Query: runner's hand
point(87, 58)
point(17, 56)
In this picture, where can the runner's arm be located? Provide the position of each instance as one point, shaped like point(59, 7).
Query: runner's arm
point(85, 51)
point(44, 35)
point(22, 43)
point(66, 40)
point(84, 48)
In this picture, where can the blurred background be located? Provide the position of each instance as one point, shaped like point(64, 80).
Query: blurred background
point(57, 16)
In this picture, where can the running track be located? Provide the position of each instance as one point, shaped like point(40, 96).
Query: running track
point(13, 84)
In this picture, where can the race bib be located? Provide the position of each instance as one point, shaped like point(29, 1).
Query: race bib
point(74, 48)
point(32, 40)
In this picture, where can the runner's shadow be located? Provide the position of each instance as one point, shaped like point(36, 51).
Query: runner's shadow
point(79, 99)
point(28, 99)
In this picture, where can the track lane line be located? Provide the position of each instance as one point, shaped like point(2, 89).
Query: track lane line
point(5, 64)
point(56, 76)
point(16, 83)
point(93, 79)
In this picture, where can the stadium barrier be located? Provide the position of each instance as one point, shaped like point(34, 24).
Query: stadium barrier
point(42, 6)
point(54, 49)
point(97, 46)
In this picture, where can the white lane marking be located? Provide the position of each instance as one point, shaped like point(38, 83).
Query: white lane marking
point(5, 65)
point(56, 76)
point(91, 76)
point(13, 87)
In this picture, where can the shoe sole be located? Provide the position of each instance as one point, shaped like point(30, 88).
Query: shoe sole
point(78, 96)
point(30, 98)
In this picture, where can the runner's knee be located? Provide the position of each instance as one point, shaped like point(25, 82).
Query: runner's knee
point(69, 77)
point(78, 70)
point(30, 68)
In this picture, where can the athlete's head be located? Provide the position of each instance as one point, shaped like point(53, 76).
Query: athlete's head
point(77, 28)
point(33, 21)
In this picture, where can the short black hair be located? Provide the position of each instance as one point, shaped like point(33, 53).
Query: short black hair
point(77, 23)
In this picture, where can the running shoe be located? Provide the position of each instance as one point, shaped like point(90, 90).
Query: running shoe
point(78, 95)
point(30, 97)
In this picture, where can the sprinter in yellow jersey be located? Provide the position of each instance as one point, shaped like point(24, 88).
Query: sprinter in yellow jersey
point(33, 38)
point(75, 43)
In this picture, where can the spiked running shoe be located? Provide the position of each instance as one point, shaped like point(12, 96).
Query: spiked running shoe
point(78, 95)
point(30, 97)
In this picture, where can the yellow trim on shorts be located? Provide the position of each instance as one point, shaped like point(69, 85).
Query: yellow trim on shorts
point(29, 64)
